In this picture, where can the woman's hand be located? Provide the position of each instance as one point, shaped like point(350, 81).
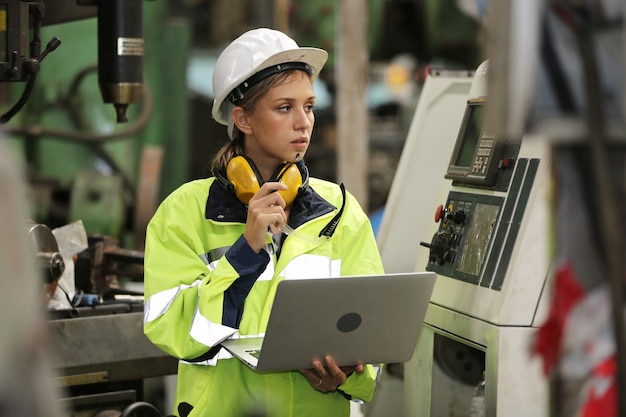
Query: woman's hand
point(265, 209)
point(327, 377)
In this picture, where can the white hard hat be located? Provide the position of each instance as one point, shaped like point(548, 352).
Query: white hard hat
point(255, 51)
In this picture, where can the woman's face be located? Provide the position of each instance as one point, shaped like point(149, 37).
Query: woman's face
point(281, 123)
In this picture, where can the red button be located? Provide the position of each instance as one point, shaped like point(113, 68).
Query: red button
point(439, 213)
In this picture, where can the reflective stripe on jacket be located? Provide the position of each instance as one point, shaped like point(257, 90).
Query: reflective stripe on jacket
point(204, 284)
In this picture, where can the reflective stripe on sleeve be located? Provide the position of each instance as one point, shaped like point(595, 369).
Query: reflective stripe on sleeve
point(211, 258)
point(208, 333)
point(158, 303)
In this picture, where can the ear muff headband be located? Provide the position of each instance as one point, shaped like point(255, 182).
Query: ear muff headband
point(244, 179)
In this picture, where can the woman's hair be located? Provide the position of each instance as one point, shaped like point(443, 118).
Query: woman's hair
point(236, 146)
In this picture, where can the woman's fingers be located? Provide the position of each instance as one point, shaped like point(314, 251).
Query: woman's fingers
point(267, 195)
point(266, 209)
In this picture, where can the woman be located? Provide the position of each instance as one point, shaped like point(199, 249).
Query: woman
point(216, 248)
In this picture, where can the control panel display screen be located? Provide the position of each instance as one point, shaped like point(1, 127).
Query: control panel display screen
point(478, 155)
point(470, 136)
point(483, 222)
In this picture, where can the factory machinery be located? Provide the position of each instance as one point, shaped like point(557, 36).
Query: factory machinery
point(99, 354)
point(464, 203)
point(490, 252)
point(480, 223)
point(95, 349)
point(99, 351)
point(477, 206)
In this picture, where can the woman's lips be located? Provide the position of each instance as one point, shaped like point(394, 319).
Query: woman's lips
point(300, 143)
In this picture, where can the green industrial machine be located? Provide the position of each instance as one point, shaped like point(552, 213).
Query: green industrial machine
point(93, 101)
point(86, 159)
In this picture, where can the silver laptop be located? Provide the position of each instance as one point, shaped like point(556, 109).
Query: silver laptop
point(357, 319)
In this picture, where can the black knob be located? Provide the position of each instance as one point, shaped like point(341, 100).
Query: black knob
point(457, 216)
point(440, 248)
point(31, 66)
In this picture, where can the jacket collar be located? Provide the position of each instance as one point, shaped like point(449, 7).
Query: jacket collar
point(223, 206)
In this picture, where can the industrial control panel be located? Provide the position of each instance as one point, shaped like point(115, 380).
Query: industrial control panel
point(487, 242)
point(477, 232)
point(492, 188)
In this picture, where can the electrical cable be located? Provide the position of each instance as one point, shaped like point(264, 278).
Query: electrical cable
point(8, 115)
point(89, 137)
point(67, 296)
point(94, 140)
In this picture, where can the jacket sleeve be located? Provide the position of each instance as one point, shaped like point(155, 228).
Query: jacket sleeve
point(190, 306)
point(360, 256)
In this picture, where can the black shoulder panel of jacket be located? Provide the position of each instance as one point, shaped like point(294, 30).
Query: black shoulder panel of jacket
point(224, 206)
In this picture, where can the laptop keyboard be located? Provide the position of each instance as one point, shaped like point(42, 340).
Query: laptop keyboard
point(254, 352)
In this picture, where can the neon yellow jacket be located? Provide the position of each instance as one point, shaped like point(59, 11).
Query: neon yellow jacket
point(203, 283)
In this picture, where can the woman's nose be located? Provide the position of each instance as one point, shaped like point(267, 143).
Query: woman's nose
point(304, 119)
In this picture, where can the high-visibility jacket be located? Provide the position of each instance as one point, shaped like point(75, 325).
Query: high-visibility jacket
point(204, 284)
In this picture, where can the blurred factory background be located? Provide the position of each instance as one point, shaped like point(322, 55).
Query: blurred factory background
point(73, 146)
point(92, 142)
point(101, 139)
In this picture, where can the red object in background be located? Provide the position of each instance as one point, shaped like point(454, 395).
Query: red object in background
point(567, 293)
point(602, 404)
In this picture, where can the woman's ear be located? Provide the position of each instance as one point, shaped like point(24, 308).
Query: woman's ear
point(241, 120)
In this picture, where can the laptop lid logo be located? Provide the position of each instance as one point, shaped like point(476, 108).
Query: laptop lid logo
point(349, 322)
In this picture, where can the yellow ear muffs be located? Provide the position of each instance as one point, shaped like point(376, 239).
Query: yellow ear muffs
point(290, 175)
point(243, 174)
